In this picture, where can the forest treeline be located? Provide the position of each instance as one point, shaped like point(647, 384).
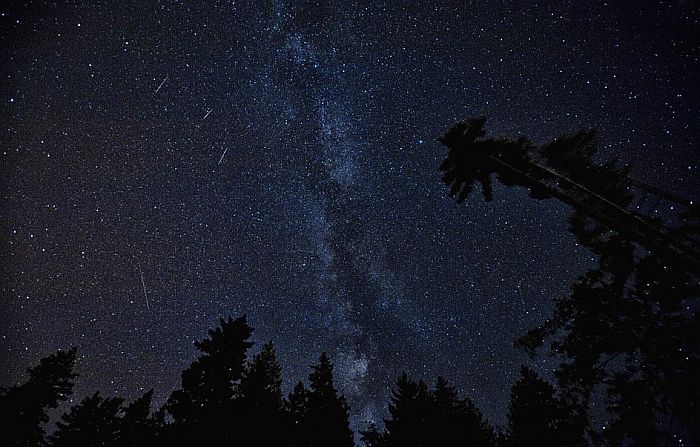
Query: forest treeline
point(627, 337)
point(227, 399)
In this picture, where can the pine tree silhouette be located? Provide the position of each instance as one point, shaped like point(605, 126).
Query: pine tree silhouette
point(408, 409)
point(24, 408)
point(203, 409)
point(537, 417)
point(629, 329)
point(105, 421)
point(259, 401)
point(138, 426)
point(421, 418)
point(455, 421)
point(93, 421)
point(296, 407)
point(261, 383)
point(326, 421)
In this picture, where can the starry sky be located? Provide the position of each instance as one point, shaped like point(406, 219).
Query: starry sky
point(280, 159)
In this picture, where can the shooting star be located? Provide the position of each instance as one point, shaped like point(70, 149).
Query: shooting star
point(143, 284)
point(205, 116)
point(222, 157)
point(161, 84)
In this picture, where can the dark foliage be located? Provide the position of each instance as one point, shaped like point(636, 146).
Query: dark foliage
point(565, 169)
point(24, 408)
point(204, 406)
point(97, 420)
point(630, 326)
point(259, 398)
point(536, 416)
point(326, 418)
point(424, 417)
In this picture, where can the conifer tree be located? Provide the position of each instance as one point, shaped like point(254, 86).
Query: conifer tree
point(296, 407)
point(420, 417)
point(138, 426)
point(93, 421)
point(537, 417)
point(105, 421)
point(204, 406)
point(326, 422)
point(408, 408)
point(24, 408)
point(261, 383)
point(259, 400)
point(454, 421)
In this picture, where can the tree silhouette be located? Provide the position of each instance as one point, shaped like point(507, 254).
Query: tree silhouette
point(651, 389)
point(105, 421)
point(296, 407)
point(326, 419)
point(259, 400)
point(537, 417)
point(408, 410)
point(455, 421)
point(93, 421)
point(24, 408)
point(261, 383)
point(564, 169)
point(138, 426)
point(421, 417)
point(226, 400)
point(203, 407)
point(630, 325)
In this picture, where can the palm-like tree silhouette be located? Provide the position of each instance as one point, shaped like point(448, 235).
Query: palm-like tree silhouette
point(468, 159)
point(600, 193)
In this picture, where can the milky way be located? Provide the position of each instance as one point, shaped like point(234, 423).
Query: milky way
point(166, 163)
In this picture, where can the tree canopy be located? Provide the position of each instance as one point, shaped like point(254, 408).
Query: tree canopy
point(630, 326)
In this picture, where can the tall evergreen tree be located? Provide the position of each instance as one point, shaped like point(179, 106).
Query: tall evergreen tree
point(454, 422)
point(326, 422)
point(408, 409)
point(297, 407)
point(261, 383)
point(537, 417)
point(204, 406)
point(260, 403)
point(138, 426)
point(421, 417)
point(93, 421)
point(24, 408)
point(107, 422)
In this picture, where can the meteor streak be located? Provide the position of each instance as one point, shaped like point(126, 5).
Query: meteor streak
point(161, 84)
point(143, 284)
point(222, 157)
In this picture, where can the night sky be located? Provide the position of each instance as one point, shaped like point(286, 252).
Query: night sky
point(280, 159)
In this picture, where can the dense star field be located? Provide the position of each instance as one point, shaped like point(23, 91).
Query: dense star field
point(168, 163)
